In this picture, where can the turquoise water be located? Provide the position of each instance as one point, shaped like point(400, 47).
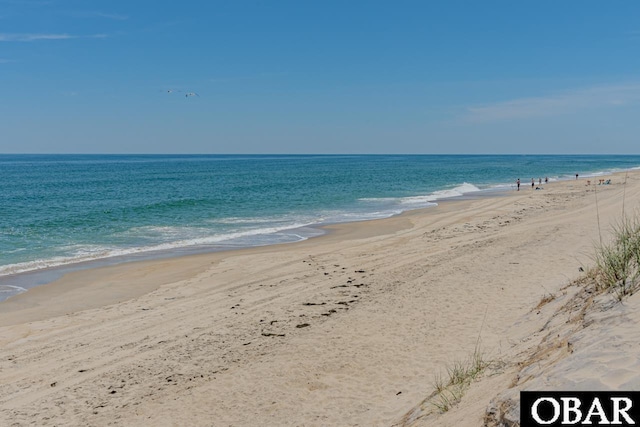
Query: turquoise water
point(58, 210)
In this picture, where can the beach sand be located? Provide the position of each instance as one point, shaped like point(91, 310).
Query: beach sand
point(342, 330)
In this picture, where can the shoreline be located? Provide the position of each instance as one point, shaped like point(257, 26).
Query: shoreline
point(344, 329)
point(39, 301)
point(30, 280)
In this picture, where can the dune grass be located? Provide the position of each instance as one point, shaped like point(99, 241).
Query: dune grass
point(617, 264)
point(450, 387)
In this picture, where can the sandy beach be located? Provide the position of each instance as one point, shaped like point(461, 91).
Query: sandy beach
point(348, 329)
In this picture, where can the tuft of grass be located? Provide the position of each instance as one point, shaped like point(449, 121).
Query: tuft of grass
point(448, 398)
point(617, 267)
point(450, 388)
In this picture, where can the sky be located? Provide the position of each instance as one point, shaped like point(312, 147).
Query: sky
point(297, 76)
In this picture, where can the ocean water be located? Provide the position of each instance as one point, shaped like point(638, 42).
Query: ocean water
point(60, 210)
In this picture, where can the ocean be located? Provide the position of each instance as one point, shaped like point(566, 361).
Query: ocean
point(60, 212)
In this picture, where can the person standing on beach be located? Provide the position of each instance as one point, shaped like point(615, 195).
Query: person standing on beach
point(518, 183)
point(533, 183)
point(576, 176)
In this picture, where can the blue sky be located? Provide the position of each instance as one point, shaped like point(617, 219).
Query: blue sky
point(98, 76)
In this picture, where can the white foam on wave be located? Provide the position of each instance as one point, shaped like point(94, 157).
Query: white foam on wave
point(378, 199)
point(213, 239)
point(10, 289)
point(39, 264)
point(244, 221)
point(464, 188)
point(501, 187)
point(79, 250)
point(155, 231)
point(83, 253)
point(364, 216)
point(14, 251)
point(427, 199)
point(590, 175)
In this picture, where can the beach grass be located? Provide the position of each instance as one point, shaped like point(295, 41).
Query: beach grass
point(617, 263)
point(450, 387)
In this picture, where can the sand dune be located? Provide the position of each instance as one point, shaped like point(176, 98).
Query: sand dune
point(346, 329)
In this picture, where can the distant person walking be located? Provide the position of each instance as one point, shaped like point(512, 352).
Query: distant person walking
point(533, 183)
point(546, 179)
point(576, 176)
point(518, 183)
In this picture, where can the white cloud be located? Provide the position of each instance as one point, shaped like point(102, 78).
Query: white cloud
point(557, 104)
point(30, 37)
point(98, 14)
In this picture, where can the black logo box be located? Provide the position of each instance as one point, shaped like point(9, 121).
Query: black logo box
point(560, 408)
